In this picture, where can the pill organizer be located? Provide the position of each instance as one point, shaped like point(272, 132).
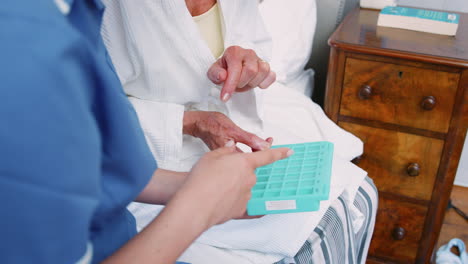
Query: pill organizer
point(295, 184)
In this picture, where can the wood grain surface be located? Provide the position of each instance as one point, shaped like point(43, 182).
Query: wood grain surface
point(359, 33)
point(397, 94)
point(396, 214)
point(387, 155)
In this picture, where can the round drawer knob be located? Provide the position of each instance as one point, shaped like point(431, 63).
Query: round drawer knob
point(413, 169)
point(398, 233)
point(428, 103)
point(365, 92)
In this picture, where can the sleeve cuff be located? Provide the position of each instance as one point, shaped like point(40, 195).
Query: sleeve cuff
point(162, 124)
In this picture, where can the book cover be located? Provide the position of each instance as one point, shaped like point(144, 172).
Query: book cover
point(436, 22)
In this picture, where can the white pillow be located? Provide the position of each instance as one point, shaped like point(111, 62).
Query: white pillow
point(292, 27)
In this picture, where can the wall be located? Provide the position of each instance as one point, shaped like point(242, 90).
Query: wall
point(449, 5)
point(329, 16)
point(462, 172)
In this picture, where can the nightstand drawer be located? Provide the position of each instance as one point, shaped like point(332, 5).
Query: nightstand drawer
point(398, 94)
point(398, 230)
point(399, 163)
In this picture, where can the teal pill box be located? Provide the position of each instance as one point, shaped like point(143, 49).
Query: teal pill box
point(295, 184)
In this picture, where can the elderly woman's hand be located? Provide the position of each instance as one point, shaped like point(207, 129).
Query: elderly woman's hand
point(216, 129)
point(240, 70)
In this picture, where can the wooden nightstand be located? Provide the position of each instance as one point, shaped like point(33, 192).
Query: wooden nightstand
point(405, 94)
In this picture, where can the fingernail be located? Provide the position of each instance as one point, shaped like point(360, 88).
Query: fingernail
point(230, 143)
point(289, 153)
point(226, 97)
point(270, 140)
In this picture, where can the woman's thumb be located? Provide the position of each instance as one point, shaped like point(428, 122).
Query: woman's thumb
point(217, 74)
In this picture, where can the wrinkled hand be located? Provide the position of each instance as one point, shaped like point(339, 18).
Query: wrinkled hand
point(216, 129)
point(240, 70)
point(222, 180)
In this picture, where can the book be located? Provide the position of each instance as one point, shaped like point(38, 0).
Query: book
point(436, 22)
point(377, 4)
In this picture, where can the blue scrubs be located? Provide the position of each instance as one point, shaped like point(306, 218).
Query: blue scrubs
point(72, 154)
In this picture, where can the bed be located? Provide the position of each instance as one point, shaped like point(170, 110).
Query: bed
point(346, 220)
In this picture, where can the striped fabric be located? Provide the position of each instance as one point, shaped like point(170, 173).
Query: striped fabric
point(342, 236)
point(335, 240)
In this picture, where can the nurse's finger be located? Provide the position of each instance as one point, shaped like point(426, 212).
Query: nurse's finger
point(217, 73)
point(264, 157)
point(269, 80)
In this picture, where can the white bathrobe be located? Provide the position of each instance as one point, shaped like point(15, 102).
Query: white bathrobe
point(162, 61)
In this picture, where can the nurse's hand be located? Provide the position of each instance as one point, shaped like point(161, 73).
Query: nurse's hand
point(222, 180)
point(217, 189)
point(216, 129)
point(240, 70)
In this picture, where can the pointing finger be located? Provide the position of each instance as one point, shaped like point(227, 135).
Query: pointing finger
point(264, 157)
point(234, 68)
